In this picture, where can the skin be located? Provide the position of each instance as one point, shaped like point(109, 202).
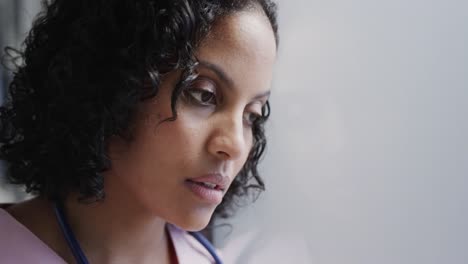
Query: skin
point(146, 186)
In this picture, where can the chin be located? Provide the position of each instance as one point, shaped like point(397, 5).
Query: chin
point(194, 222)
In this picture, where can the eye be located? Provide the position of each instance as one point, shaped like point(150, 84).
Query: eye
point(251, 118)
point(202, 97)
point(202, 93)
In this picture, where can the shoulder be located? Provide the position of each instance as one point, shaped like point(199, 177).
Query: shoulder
point(36, 215)
point(188, 249)
point(19, 245)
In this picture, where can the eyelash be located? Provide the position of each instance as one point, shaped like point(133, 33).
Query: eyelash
point(257, 118)
point(191, 93)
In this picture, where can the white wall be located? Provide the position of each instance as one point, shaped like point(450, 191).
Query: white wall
point(16, 17)
point(368, 154)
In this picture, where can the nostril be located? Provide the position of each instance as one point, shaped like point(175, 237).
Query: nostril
point(223, 154)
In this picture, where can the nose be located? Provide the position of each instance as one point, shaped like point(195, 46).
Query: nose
point(227, 142)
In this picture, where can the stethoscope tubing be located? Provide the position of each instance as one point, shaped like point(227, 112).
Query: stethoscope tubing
point(79, 254)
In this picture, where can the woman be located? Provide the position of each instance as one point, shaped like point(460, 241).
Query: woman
point(134, 122)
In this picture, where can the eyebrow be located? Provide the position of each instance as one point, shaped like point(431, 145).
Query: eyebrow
point(261, 95)
point(225, 78)
point(218, 70)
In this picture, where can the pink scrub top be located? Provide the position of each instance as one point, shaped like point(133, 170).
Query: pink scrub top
point(18, 245)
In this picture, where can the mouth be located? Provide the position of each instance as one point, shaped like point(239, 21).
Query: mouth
point(214, 181)
point(208, 185)
point(209, 188)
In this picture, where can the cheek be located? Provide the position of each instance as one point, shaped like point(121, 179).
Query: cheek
point(156, 148)
point(176, 143)
point(249, 138)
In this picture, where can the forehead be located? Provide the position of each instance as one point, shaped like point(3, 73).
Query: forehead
point(242, 44)
point(248, 32)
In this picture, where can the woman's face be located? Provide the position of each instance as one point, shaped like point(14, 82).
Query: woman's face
point(161, 171)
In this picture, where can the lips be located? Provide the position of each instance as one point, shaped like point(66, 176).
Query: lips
point(208, 188)
point(214, 181)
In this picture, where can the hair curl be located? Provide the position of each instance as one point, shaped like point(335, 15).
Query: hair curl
point(83, 73)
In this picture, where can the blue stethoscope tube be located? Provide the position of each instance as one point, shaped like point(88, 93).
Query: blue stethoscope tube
point(78, 252)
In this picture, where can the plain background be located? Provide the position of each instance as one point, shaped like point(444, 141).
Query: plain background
point(368, 141)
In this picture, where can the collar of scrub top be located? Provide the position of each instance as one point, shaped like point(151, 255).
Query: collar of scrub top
point(79, 254)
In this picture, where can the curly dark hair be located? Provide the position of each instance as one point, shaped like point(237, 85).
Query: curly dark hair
point(85, 66)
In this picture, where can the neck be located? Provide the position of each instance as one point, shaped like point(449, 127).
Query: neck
point(113, 231)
